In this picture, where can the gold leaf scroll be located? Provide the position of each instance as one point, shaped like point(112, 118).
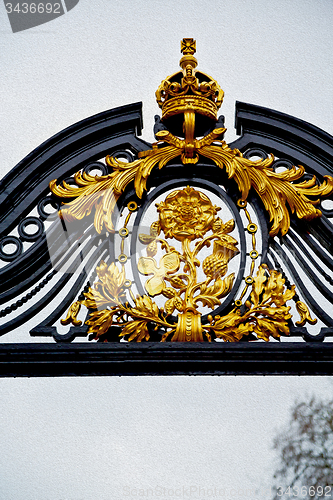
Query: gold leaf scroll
point(274, 189)
point(103, 192)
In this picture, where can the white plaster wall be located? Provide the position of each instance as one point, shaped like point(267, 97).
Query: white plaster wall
point(92, 439)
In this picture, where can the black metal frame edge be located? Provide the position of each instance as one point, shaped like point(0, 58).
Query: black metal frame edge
point(90, 359)
point(281, 133)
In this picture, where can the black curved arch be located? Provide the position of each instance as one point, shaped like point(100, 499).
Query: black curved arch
point(65, 153)
point(284, 135)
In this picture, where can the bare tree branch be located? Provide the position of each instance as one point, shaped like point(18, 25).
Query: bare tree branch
point(305, 449)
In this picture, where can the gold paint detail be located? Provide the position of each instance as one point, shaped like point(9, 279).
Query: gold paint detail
point(266, 313)
point(71, 317)
point(304, 313)
point(185, 93)
point(188, 89)
point(123, 232)
point(188, 46)
point(110, 308)
point(253, 253)
point(188, 216)
point(132, 206)
point(276, 190)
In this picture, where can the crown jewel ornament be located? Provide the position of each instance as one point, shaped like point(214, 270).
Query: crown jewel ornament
point(189, 92)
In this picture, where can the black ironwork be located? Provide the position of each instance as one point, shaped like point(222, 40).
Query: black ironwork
point(31, 231)
point(243, 358)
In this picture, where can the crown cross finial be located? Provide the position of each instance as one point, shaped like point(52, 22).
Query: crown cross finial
point(187, 46)
point(189, 93)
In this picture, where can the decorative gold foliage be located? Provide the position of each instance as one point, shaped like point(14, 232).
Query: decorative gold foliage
point(209, 296)
point(187, 215)
point(186, 93)
point(109, 290)
point(136, 330)
point(100, 321)
point(276, 190)
point(266, 313)
point(103, 192)
point(108, 295)
point(144, 306)
point(304, 313)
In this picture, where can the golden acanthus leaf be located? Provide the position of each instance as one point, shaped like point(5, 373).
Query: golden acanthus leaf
point(266, 315)
point(274, 189)
point(103, 192)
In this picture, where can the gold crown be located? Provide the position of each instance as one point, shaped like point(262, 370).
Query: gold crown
point(189, 90)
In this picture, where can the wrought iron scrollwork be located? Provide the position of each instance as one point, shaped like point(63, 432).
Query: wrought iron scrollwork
point(238, 247)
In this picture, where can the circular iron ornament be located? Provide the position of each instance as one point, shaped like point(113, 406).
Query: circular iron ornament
point(283, 164)
point(250, 153)
point(48, 202)
point(123, 155)
point(328, 212)
point(97, 165)
point(208, 186)
point(132, 206)
point(122, 258)
point(71, 181)
point(10, 240)
point(30, 221)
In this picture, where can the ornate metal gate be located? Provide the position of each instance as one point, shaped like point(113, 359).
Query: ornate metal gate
point(181, 257)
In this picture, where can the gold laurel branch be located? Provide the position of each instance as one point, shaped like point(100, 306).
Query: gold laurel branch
point(274, 189)
point(266, 315)
point(108, 306)
point(103, 192)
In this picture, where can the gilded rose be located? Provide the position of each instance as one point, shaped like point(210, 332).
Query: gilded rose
point(186, 213)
